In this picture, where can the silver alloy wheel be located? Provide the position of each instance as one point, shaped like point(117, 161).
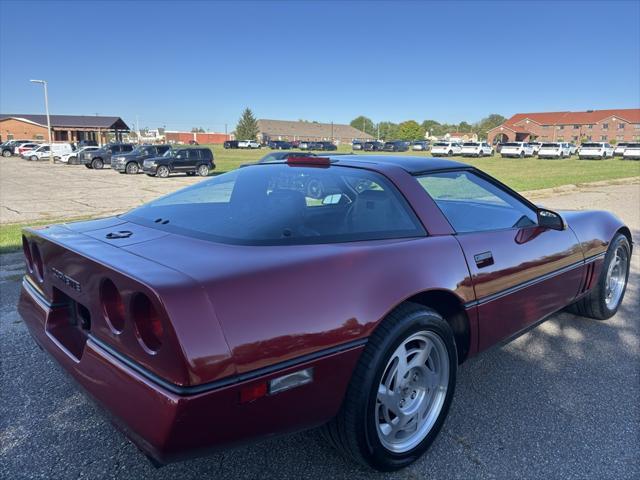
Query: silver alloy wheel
point(163, 172)
point(412, 391)
point(203, 170)
point(616, 277)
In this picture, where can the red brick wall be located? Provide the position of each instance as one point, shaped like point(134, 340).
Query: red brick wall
point(186, 137)
point(21, 130)
point(568, 133)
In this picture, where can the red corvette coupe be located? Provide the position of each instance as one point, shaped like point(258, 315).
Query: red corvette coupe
point(340, 291)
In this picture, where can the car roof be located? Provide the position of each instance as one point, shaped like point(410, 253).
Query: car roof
point(411, 164)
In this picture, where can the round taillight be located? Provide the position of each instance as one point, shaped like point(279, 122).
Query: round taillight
point(26, 249)
point(148, 323)
point(38, 266)
point(112, 305)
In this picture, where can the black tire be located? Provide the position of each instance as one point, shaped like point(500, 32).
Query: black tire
point(203, 171)
point(521, 154)
point(88, 165)
point(33, 158)
point(6, 153)
point(190, 174)
point(162, 171)
point(132, 168)
point(450, 153)
point(594, 305)
point(97, 164)
point(354, 431)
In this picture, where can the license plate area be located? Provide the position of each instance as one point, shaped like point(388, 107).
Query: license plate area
point(69, 324)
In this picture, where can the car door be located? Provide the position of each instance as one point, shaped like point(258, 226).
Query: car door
point(183, 161)
point(520, 271)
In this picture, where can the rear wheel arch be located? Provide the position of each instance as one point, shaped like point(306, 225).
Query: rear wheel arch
point(448, 305)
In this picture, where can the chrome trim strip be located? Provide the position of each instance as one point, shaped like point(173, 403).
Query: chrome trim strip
point(206, 387)
point(533, 281)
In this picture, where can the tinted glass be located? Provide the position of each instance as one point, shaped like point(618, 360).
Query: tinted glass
point(592, 145)
point(472, 204)
point(550, 145)
point(469, 144)
point(193, 154)
point(510, 144)
point(283, 205)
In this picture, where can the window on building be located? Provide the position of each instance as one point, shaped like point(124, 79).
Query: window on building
point(605, 126)
point(39, 137)
point(589, 137)
point(9, 136)
point(575, 138)
point(590, 126)
point(621, 126)
point(560, 127)
point(561, 139)
point(546, 126)
point(620, 138)
point(576, 127)
point(603, 138)
point(637, 126)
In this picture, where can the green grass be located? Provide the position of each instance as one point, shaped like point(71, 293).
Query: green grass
point(11, 234)
point(519, 174)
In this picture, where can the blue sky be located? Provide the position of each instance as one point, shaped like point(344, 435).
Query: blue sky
point(186, 64)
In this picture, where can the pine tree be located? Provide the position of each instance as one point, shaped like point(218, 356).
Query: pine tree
point(247, 128)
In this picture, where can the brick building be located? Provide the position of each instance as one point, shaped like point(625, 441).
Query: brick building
point(592, 125)
point(269, 130)
point(65, 128)
point(186, 137)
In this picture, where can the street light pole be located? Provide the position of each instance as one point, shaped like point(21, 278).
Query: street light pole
point(46, 107)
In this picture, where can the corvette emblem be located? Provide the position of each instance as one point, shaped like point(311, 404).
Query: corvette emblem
point(66, 279)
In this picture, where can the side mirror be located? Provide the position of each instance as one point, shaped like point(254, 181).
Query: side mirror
point(550, 219)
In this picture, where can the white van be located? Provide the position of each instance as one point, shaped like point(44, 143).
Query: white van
point(42, 152)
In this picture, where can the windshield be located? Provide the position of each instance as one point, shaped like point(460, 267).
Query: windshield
point(280, 204)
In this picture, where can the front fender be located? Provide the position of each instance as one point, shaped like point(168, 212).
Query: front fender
point(594, 228)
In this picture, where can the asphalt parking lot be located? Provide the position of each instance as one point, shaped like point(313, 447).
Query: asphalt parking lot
point(558, 402)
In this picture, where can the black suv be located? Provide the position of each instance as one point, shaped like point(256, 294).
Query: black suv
point(101, 157)
point(327, 146)
point(184, 160)
point(396, 146)
point(132, 162)
point(373, 146)
point(230, 144)
point(280, 145)
point(8, 147)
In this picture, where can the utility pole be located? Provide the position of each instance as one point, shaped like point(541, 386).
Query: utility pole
point(46, 107)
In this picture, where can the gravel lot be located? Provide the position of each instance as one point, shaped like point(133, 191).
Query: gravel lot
point(559, 402)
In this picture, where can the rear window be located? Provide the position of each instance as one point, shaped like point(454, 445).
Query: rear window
point(279, 204)
point(470, 144)
point(591, 145)
point(440, 144)
point(510, 144)
point(550, 145)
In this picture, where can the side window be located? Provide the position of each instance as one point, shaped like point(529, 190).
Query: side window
point(194, 154)
point(473, 204)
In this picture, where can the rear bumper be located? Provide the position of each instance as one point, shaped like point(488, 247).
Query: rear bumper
point(169, 426)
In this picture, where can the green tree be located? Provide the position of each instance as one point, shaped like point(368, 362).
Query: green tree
point(410, 130)
point(487, 123)
point(429, 126)
point(247, 128)
point(388, 130)
point(364, 124)
point(197, 130)
point(464, 127)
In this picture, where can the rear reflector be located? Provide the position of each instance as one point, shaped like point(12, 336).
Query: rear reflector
point(38, 266)
point(313, 161)
point(292, 380)
point(253, 392)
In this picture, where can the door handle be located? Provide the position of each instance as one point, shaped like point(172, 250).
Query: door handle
point(483, 259)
